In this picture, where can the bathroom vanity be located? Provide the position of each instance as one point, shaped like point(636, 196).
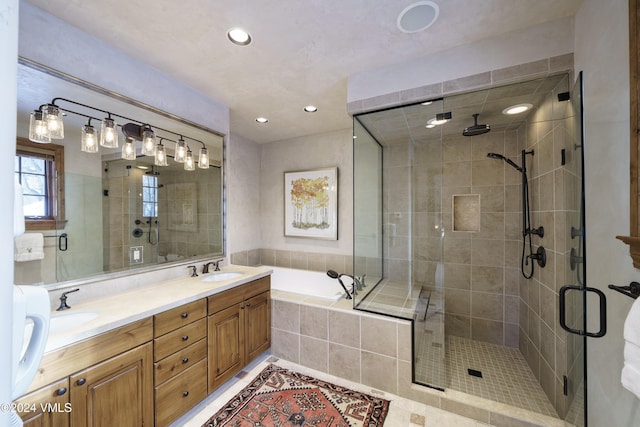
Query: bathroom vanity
point(156, 356)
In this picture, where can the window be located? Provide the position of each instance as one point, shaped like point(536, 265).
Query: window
point(39, 168)
point(149, 195)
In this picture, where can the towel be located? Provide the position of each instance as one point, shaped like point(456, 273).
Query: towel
point(630, 376)
point(29, 247)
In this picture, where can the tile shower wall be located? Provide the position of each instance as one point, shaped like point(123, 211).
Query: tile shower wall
point(481, 267)
point(554, 190)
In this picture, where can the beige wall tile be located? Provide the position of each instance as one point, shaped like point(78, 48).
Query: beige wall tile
point(285, 345)
point(465, 410)
point(372, 366)
point(314, 353)
point(344, 362)
point(285, 316)
point(314, 322)
point(379, 336)
point(344, 328)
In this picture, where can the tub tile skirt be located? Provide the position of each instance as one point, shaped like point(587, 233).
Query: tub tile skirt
point(278, 396)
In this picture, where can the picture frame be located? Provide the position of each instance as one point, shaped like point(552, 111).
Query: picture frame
point(311, 203)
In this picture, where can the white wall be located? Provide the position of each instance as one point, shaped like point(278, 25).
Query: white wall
point(310, 152)
point(539, 42)
point(243, 194)
point(8, 74)
point(601, 52)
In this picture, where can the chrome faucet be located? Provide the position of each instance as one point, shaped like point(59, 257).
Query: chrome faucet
point(63, 300)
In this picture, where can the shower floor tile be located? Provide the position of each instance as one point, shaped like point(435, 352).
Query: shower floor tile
point(506, 376)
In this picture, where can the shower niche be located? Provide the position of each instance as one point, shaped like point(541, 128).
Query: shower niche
point(446, 221)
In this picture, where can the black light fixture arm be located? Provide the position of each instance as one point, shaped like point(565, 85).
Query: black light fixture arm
point(109, 114)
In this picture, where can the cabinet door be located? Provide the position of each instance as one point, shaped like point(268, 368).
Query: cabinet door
point(257, 326)
point(226, 344)
point(116, 392)
point(47, 407)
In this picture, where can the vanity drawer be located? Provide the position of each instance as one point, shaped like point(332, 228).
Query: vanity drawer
point(177, 317)
point(180, 361)
point(179, 339)
point(238, 294)
point(181, 393)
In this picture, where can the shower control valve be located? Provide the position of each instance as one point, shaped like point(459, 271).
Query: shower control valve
point(537, 231)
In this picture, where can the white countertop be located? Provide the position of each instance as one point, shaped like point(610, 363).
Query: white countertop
point(126, 307)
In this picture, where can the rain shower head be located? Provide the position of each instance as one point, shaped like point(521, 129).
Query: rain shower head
point(476, 129)
point(501, 157)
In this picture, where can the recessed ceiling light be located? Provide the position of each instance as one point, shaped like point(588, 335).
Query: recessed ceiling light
point(310, 108)
point(417, 16)
point(239, 36)
point(262, 120)
point(426, 103)
point(517, 109)
point(430, 126)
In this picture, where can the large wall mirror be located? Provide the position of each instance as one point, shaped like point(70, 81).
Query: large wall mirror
point(108, 215)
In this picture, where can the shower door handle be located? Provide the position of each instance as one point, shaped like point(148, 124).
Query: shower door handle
point(63, 242)
point(603, 311)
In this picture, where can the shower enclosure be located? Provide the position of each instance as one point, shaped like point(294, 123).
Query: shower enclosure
point(448, 235)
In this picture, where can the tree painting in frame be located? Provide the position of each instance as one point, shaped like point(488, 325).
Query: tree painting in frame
point(311, 203)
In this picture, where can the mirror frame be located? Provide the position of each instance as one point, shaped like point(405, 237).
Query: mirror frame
point(633, 239)
point(147, 268)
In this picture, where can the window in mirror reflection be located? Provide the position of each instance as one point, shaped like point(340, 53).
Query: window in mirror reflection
point(36, 169)
point(149, 196)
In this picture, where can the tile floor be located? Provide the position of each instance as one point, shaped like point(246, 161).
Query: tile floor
point(402, 412)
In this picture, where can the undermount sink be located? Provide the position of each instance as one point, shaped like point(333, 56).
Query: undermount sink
point(67, 321)
point(221, 276)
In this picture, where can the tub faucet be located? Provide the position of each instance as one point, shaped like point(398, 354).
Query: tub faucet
point(358, 282)
point(63, 300)
point(335, 275)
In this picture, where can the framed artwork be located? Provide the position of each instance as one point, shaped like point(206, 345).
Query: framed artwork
point(311, 203)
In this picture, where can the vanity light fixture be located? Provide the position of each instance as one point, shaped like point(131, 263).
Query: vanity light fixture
point(181, 151)
point(160, 155)
point(239, 36)
point(203, 158)
point(310, 109)
point(52, 116)
point(148, 141)
point(38, 130)
point(109, 133)
point(517, 109)
point(128, 149)
point(89, 139)
point(46, 123)
point(262, 120)
point(189, 163)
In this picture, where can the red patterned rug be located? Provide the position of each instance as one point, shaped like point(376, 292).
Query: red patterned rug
point(278, 397)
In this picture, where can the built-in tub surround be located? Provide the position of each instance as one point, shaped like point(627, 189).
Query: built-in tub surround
point(373, 350)
point(301, 260)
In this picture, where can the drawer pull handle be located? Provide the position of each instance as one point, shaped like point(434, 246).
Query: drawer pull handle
point(61, 391)
point(81, 381)
point(185, 360)
point(185, 337)
point(185, 393)
point(184, 315)
point(248, 304)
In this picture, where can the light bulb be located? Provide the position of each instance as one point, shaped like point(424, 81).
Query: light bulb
point(89, 140)
point(53, 118)
point(128, 150)
point(148, 142)
point(181, 151)
point(203, 159)
point(189, 164)
point(160, 156)
point(109, 133)
point(38, 131)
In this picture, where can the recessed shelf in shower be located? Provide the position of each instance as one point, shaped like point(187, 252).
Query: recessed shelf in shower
point(466, 212)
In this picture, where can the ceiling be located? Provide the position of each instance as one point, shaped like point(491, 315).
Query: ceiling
point(302, 51)
point(407, 123)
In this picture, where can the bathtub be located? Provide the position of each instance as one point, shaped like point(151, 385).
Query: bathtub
point(306, 283)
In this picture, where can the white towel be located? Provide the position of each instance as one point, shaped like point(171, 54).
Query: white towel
point(630, 376)
point(29, 247)
point(632, 324)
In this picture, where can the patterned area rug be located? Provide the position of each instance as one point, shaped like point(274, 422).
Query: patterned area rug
point(278, 397)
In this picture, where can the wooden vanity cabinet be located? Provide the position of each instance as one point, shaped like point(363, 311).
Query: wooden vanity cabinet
point(239, 327)
point(46, 407)
point(180, 360)
point(116, 392)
